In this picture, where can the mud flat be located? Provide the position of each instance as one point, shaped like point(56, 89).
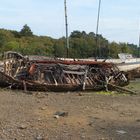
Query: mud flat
point(86, 116)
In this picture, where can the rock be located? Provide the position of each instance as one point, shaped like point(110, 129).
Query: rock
point(87, 108)
point(138, 120)
point(80, 94)
point(40, 96)
point(121, 132)
point(39, 138)
point(83, 137)
point(56, 116)
point(103, 128)
point(22, 126)
point(61, 114)
point(65, 132)
point(38, 101)
point(90, 124)
point(22, 135)
point(39, 119)
point(43, 108)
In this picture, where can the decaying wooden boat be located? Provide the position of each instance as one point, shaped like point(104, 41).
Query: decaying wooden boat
point(52, 74)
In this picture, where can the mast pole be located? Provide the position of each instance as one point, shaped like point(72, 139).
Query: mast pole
point(97, 28)
point(66, 24)
point(139, 47)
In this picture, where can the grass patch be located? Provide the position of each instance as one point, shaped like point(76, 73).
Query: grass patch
point(106, 92)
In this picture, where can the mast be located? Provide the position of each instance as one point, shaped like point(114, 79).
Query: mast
point(139, 47)
point(97, 28)
point(66, 24)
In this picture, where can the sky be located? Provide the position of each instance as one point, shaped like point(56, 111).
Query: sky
point(119, 19)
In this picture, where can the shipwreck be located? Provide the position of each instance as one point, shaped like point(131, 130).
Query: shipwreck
point(55, 74)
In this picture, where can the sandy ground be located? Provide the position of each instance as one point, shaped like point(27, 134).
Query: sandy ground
point(90, 116)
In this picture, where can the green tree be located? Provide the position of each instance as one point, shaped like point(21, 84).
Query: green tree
point(2, 40)
point(82, 44)
point(11, 46)
point(59, 48)
point(26, 31)
point(76, 34)
point(114, 50)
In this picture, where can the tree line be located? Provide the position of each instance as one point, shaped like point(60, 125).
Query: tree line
point(82, 44)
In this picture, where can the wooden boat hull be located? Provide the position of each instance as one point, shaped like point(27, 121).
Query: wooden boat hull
point(58, 75)
point(9, 82)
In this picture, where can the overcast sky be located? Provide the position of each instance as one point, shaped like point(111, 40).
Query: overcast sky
point(119, 19)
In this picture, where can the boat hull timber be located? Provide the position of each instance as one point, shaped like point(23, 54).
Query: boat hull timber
point(53, 74)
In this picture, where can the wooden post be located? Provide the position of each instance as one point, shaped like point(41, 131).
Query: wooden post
point(85, 77)
point(24, 86)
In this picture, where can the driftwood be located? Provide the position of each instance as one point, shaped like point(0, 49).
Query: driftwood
point(122, 89)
